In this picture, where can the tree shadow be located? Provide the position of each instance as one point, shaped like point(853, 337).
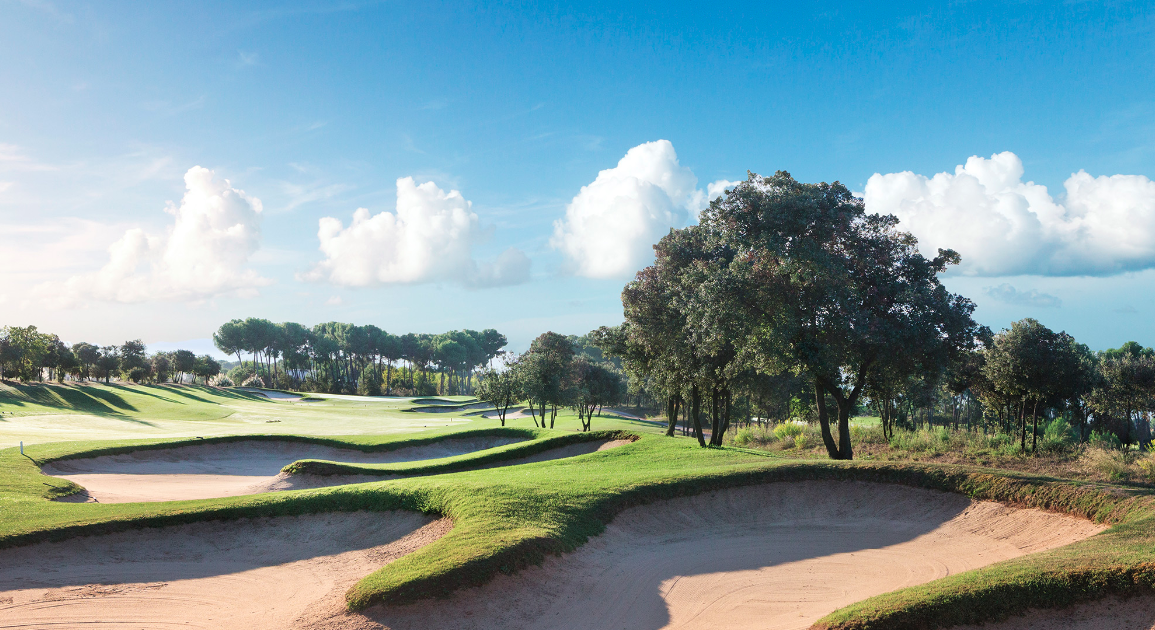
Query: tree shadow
point(182, 390)
point(143, 391)
point(75, 397)
point(197, 550)
point(623, 579)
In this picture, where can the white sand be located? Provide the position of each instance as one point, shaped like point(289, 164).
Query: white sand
point(204, 471)
point(270, 573)
point(770, 557)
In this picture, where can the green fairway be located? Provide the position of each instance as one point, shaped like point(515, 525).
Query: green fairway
point(53, 413)
point(511, 517)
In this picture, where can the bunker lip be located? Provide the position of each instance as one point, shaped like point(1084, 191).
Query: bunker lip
point(584, 444)
point(222, 469)
point(779, 555)
point(262, 573)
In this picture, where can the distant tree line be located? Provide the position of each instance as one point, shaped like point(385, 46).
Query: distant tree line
point(349, 358)
point(1026, 376)
point(27, 354)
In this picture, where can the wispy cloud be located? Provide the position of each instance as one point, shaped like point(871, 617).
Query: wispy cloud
point(1008, 294)
point(245, 59)
point(168, 108)
point(49, 8)
point(13, 158)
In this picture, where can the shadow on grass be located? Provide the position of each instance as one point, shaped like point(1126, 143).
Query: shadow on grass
point(143, 391)
point(72, 397)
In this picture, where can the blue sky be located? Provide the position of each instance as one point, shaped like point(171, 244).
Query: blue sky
point(318, 109)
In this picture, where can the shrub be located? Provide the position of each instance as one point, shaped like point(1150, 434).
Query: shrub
point(283, 381)
point(370, 382)
point(1058, 436)
point(789, 430)
point(221, 380)
point(245, 371)
point(1104, 440)
point(253, 381)
point(1111, 464)
point(1146, 464)
point(744, 436)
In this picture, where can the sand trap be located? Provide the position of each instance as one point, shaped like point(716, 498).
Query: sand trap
point(270, 394)
point(770, 557)
point(285, 481)
point(562, 452)
point(204, 471)
point(448, 408)
point(1111, 613)
point(509, 415)
point(270, 573)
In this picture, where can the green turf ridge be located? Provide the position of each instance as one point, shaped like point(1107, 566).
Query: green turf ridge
point(545, 441)
point(512, 517)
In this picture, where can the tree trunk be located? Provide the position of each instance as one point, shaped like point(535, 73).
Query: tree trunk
point(671, 415)
point(696, 414)
point(715, 417)
point(1035, 428)
point(1023, 426)
point(824, 420)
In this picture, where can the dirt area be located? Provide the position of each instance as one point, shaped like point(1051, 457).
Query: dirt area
point(777, 556)
point(204, 471)
point(1111, 613)
point(270, 573)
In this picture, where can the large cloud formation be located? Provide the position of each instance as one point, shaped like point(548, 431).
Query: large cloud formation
point(611, 225)
point(216, 228)
point(1002, 225)
point(430, 238)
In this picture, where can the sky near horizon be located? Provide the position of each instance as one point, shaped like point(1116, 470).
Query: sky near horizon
point(166, 167)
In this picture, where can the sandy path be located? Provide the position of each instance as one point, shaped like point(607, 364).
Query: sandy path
point(1111, 613)
point(777, 556)
point(204, 471)
point(256, 574)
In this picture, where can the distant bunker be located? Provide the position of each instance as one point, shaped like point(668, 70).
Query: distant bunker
point(224, 469)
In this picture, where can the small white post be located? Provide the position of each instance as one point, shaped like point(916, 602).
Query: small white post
point(21, 447)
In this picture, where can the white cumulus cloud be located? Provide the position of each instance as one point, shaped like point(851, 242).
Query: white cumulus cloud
point(611, 225)
point(203, 254)
point(429, 238)
point(1002, 225)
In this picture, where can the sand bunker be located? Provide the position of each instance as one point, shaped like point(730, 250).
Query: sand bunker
point(270, 394)
point(204, 471)
point(776, 556)
point(562, 452)
point(269, 573)
point(285, 481)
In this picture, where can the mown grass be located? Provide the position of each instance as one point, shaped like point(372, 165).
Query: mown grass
point(511, 517)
